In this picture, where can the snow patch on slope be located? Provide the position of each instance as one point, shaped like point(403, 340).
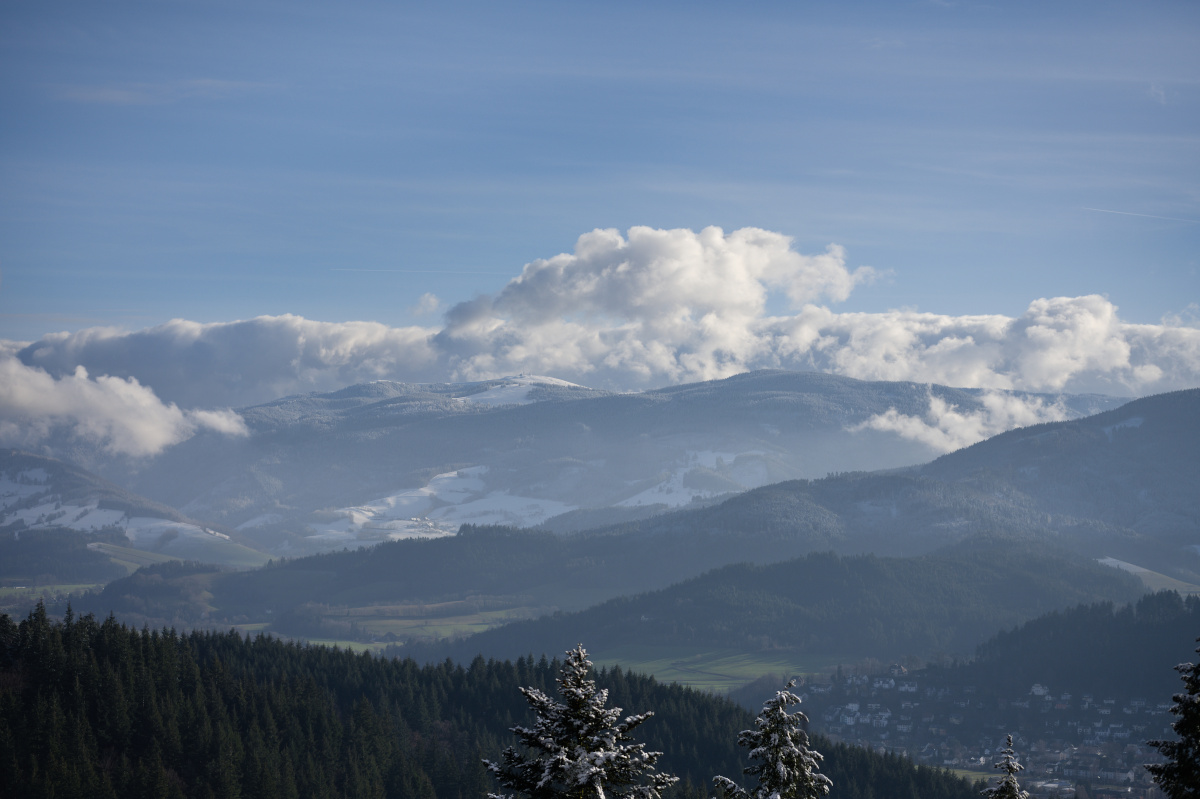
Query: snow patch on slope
point(260, 520)
point(1122, 565)
point(1135, 421)
point(438, 509)
point(514, 390)
point(38, 508)
point(672, 492)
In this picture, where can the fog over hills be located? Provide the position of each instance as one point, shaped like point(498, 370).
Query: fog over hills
point(386, 460)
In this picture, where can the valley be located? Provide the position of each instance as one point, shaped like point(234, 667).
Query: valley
point(708, 553)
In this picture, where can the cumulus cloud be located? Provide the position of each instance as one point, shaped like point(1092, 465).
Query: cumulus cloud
point(1076, 344)
point(122, 416)
point(946, 427)
point(648, 308)
point(655, 305)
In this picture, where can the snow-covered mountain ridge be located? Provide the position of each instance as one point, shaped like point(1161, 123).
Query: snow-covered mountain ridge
point(377, 460)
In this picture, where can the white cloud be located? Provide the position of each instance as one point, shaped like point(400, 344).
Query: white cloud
point(945, 427)
point(122, 416)
point(657, 305)
point(427, 305)
point(649, 308)
point(239, 363)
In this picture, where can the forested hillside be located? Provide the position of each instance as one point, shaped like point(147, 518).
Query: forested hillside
point(854, 607)
point(57, 555)
point(100, 709)
point(851, 606)
point(1134, 468)
point(1121, 483)
point(1114, 485)
point(1104, 649)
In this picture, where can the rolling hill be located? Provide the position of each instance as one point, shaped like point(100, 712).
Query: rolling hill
point(39, 494)
point(386, 461)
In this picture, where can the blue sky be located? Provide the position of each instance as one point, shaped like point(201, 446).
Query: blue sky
point(218, 161)
point(205, 205)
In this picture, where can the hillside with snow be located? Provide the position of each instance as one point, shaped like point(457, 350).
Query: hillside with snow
point(385, 460)
point(39, 494)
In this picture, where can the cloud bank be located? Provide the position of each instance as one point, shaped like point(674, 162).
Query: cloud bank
point(647, 308)
point(240, 363)
point(122, 416)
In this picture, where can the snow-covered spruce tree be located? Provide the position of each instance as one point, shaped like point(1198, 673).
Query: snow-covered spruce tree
point(785, 766)
point(1179, 777)
point(1007, 787)
point(577, 749)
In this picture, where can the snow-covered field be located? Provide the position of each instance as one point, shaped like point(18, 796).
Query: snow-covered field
point(514, 390)
point(28, 497)
point(463, 497)
point(1135, 421)
point(1123, 566)
point(449, 500)
point(673, 493)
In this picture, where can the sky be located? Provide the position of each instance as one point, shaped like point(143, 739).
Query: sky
point(209, 204)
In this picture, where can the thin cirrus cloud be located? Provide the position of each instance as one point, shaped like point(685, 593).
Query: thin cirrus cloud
point(156, 93)
point(646, 308)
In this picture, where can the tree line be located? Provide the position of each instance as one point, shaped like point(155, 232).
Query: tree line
point(96, 708)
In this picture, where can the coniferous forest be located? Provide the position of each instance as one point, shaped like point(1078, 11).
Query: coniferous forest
point(96, 708)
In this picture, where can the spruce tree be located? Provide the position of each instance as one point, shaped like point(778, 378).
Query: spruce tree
point(1007, 787)
point(577, 748)
point(1179, 777)
point(785, 766)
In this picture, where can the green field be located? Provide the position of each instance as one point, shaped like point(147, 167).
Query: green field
point(354, 646)
point(1154, 581)
point(972, 775)
point(130, 559)
point(720, 671)
point(253, 627)
point(1161, 582)
point(433, 621)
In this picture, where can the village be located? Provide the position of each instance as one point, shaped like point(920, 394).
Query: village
point(1070, 744)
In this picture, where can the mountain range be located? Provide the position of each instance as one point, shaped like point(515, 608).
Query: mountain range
point(386, 461)
point(1033, 512)
point(1054, 499)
